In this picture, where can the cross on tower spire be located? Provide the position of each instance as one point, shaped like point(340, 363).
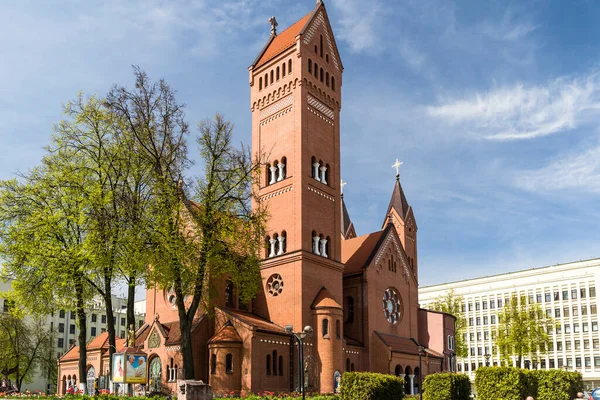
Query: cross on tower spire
point(397, 165)
point(342, 184)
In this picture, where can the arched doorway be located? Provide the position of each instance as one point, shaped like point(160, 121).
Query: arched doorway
point(398, 371)
point(408, 389)
point(64, 384)
point(91, 377)
point(155, 374)
point(417, 380)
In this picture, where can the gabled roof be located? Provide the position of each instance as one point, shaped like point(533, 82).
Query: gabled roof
point(324, 299)
point(358, 252)
point(398, 202)
point(100, 342)
point(283, 41)
point(253, 320)
point(399, 344)
point(227, 334)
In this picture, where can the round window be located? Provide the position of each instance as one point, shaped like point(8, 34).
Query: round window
point(392, 306)
point(275, 285)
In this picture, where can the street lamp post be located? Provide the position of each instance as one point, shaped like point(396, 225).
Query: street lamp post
point(487, 359)
point(300, 336)
point(421, 350)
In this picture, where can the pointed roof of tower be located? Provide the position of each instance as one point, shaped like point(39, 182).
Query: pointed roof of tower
point(278, 43)
point(398, 201)
point(347, 225)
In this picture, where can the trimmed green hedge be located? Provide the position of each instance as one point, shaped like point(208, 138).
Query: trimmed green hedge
point(558, 385)
point(500, 383)
point(371, 386)
point(446, 386)
point(508, 383)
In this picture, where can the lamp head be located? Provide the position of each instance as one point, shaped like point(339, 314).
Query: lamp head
point(308, 330)
point(288, 328)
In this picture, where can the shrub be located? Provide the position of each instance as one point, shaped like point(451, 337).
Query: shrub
point(558, 385)
point(371, 386)
point(446, 386)
point(500, 383)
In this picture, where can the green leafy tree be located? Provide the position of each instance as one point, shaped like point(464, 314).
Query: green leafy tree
point(522, 330)
point(451, 303)
point(43, 240)
point(24, 347)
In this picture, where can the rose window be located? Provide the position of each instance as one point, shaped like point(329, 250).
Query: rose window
point(275, 285)
point(392, 306)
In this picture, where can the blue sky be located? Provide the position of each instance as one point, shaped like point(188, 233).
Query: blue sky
point(492, 106)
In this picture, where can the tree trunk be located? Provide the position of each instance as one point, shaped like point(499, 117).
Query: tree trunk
point(186, 347)
point(131, 303)
point(81, 316)
point(110, 321)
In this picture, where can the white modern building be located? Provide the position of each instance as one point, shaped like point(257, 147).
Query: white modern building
point(65, 328)
point(566, 292)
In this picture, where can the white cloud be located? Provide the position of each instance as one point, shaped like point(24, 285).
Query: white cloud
point(580, 170)
point(521, 112)
point(507, 28)
point(357, 23)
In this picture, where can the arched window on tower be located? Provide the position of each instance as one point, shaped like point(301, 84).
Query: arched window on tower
point(266, 79)
point(309, 66)
point(322, 76)
point(316, 49)
point(327, 79)
point(213, 363)
point(268, 247)
point(326, 173)
point(268, 364)
point(327, 58)
point(326, 245)
point(337, 329)
point(281, 169)
point(280, 364)
point(333, 83)
point(260, 83)
point(283, 69)
point(316, 70)
point(315, 168)
point(325, 328)
point(316, 243)
point(268, 175)
point(350, 313)
point(274, 362)
point(321, 46)
point(229, 363)
point(277, 73)
point(272, 77)
point(229, 294)
point(290, 66)
point(281, 249)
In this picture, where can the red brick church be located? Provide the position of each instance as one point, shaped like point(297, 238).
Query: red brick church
point(359, 294)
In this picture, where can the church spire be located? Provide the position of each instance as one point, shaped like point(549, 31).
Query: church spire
point(398, 201)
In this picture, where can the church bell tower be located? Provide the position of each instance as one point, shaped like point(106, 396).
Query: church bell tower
point(295, 93)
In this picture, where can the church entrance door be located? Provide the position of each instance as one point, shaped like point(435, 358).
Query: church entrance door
point(91, 377)
point(155, 375)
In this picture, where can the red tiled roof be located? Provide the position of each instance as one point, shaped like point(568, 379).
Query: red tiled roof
point(356, 252)
point(283, 41)
point(227, 334)
point(399, 344)
point(325, 299)
point(254, 320)
point(97, 343)
point(352, 342)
